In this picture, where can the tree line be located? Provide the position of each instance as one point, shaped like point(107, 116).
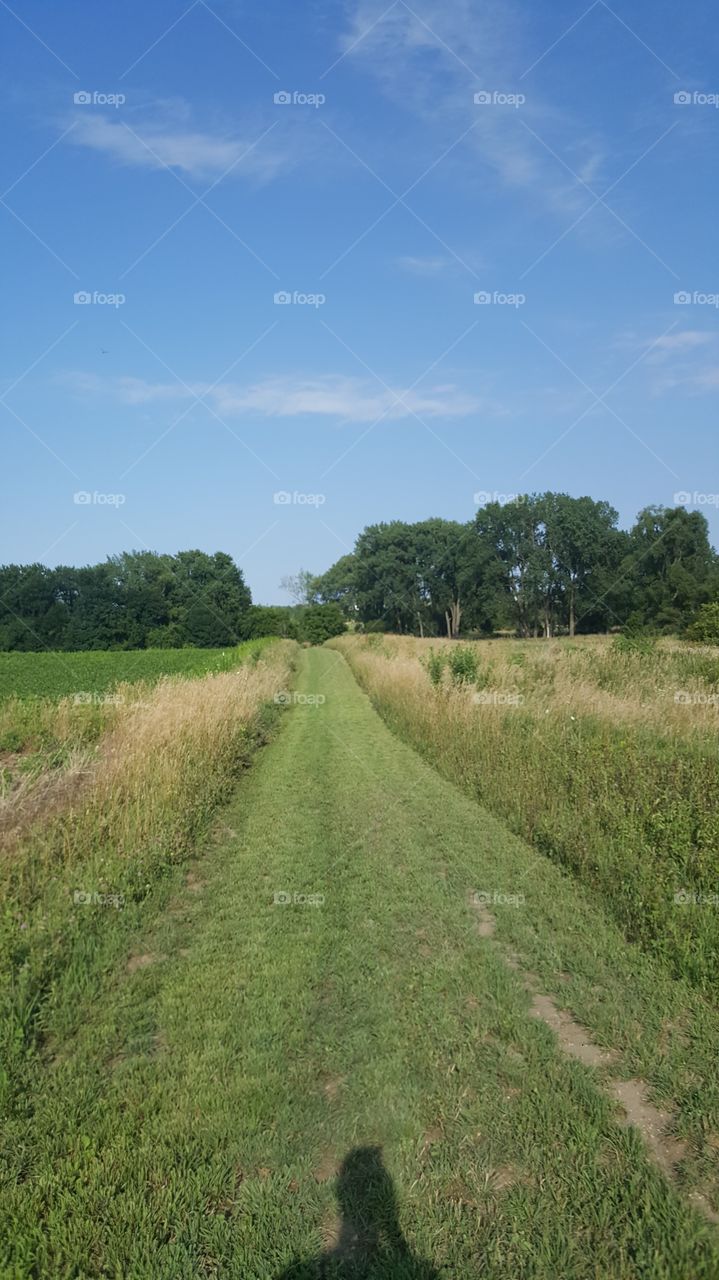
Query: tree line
point(141, 600)
point(543, 565)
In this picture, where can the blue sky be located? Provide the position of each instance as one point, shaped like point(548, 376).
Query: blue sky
point(189, 408)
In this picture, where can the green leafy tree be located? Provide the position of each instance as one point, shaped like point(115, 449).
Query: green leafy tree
point(319, 622)
point(671, 569)
point(170, 637)
point(338, 586)
point(387, 576)
point(514, 535)
point(581, 540)
point(705, 627)
point(128, 602)
point(269, 620)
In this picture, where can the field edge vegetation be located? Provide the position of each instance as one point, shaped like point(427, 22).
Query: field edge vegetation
point(584, 750)
point(90, 849)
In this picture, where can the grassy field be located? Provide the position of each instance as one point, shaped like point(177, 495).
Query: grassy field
point(54, 708)
point(89, 675)
point(332, 1042)
point(116, 796)
point(604, 757)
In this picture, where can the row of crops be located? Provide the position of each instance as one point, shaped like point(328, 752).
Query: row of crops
point(93, 674)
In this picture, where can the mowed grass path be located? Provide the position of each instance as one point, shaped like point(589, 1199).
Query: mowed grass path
point(195, 1124)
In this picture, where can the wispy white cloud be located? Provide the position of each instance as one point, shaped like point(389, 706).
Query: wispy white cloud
point(330, 395)
point(678, 359)
point(708, 379)
point(159, 143)
point(590, 162)
point(432, 57)
point(687, 340)
point(426, 266)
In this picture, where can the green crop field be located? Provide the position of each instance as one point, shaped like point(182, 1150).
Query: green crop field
point(62, 675)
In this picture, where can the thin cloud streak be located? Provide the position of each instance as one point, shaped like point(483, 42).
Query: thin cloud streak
point(160, 145)
point(327, 396)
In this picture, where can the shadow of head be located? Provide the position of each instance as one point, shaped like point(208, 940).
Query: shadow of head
point(367, 1203)
point(368, 1243)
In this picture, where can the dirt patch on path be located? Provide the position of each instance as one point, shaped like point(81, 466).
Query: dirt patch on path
point(572, 1036)
point(140, 962)
point(327, 1168)
point(654, 1124)
point(666, 1150)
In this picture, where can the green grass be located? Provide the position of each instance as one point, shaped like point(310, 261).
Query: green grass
point(107, 825)
point(188, 1120)
point(54, 704)
point(94, 673)
point(593, 763)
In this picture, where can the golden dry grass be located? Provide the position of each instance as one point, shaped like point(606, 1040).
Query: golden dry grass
point(675, 689)
point(588, 752)
point(122, 764)
point(107, 824)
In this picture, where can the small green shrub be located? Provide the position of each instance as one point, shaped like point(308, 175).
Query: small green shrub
point(463, 665)
point(435, 663)
point(485, 676)
point(634, 642)
point(320, 622)
point(705, 627)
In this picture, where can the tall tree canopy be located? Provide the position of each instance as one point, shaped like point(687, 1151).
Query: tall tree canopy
point(671, 567)
point(543, 565)
point(131, 601)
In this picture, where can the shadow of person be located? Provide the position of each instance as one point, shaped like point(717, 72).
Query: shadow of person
point(369, 1243)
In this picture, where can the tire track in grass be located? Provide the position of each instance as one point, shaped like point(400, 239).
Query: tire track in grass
point(655, 1125)
point(367, 1046)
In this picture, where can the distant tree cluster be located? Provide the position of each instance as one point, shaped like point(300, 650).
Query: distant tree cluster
point(543, 565)
point(546, 564)
point(310, 623)
point(136, 600)
point(142, 600)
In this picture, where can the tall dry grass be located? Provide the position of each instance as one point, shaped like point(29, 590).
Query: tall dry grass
point(584, 751)
point(111, 828)
point(670, 688)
